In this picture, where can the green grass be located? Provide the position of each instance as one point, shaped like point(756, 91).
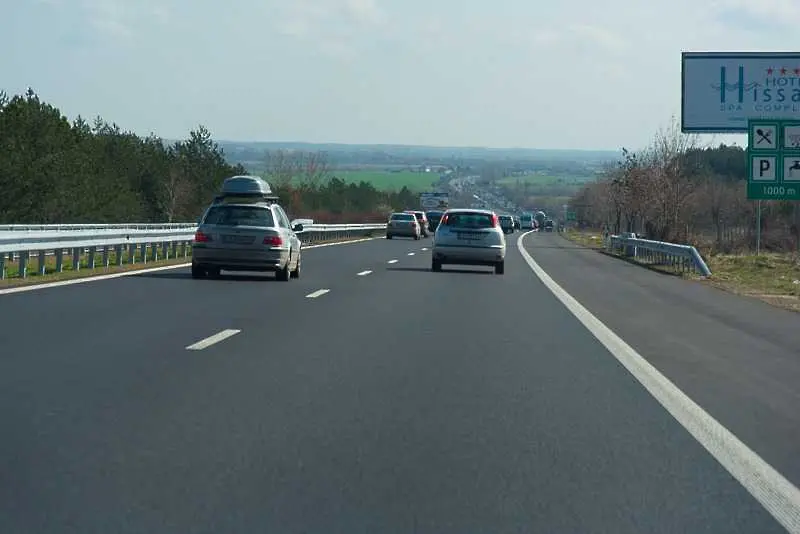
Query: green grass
point(381, 179)
point(388, 180)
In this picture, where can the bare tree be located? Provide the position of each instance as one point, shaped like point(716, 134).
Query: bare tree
point(316, 168)
point(283, 166)
point(176, 193)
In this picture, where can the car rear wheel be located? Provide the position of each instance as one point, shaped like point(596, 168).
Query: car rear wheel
point(284, 274)
point(198, 271)
point(296, 272)
point(388, 236)
point(500, 267)
point(416, 237)
point(436, 266)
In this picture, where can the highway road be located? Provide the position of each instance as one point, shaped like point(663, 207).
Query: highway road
point(373, 395)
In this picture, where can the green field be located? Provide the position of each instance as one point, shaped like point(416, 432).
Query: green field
point(388, 180)
point(381, 179)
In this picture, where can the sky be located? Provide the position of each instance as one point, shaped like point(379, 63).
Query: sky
point(577, 74)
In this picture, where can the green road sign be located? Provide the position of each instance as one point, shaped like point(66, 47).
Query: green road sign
point(571, 216)
point(773, 159)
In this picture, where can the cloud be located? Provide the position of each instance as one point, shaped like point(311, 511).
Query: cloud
point(332, 27)
point(121, 19)
point(599, 36)
point(757, 16)
point(365, 12)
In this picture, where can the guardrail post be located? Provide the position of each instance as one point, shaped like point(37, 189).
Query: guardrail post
point(165, 250)
point(60, 260)
point(42, 262)
point(154, 252)
point(76, 259)
point(2, 265)
point(23, 264)
point(132, 254)
point(91, 259)
point(174, 249)
point(118, 255)
point(143, 249)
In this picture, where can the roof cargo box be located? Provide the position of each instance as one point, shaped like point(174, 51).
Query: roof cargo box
point(244, 189)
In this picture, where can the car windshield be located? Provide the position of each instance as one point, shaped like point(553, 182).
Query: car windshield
point(470, 220)
point(239, 216)
point(402, 217)
point(434, 216)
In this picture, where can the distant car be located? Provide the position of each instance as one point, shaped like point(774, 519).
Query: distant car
point(422, 219)
point(526, 222)
point(433, 218)
point(507, 223)
point(517, 224)
point(548, 225)
point(469, 237)
point(245, 229)
point(402, 225)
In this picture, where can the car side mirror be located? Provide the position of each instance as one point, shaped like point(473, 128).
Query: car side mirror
point(297, 227)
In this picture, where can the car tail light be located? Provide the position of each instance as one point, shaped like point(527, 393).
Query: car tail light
point(443, 220)
point(273, 241)
point(495, 220)
point(200, 237)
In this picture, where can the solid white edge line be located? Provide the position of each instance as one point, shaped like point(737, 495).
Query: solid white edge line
point(363, 273)
point(775, 493)
point(317, 293)
point(97, 278)
point(211, 340)
point(392, 261)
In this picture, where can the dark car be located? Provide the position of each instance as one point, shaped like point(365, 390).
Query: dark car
point(548, 225)
point(434, 217)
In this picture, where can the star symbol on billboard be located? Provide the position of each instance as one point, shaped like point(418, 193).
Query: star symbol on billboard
point(783, 71)
point(797, 71)
point(770, 71)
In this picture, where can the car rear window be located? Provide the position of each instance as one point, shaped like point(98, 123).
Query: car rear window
point(403, 217)
point(239, 216)
point(470, 220)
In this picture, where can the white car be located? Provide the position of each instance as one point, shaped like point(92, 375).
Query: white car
point(469, 237)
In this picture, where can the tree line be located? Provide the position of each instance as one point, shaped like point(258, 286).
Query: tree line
point(677, 190)
point(56, 171)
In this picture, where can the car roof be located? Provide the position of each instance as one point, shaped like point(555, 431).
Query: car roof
point(401, 213)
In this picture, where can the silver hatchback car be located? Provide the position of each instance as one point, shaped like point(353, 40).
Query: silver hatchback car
point(469, 237)
point(246, 230)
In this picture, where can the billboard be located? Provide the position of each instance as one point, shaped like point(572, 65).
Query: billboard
point(434, 201)
point(721, 91)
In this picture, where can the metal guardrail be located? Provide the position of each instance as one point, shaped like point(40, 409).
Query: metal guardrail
point(128, 243)
point(679, 257)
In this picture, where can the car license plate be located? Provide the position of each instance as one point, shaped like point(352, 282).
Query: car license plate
point(237, 239)
point(464, 236)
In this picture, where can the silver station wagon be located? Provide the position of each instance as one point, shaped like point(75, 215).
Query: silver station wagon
point(245, 229)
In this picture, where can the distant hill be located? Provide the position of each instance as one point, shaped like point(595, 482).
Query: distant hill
point(411, 154)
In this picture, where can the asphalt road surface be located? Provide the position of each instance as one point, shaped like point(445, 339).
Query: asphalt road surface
point(373, 395)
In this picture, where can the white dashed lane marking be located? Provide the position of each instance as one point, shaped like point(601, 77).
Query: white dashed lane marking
point(317, 293)
point(211, 340)
point(364, 273)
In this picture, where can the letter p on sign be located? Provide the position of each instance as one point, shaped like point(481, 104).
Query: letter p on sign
point(764, 168)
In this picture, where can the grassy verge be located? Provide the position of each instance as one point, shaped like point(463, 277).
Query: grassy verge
point(585, 238)
point(773, 278)
point(68, 273)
